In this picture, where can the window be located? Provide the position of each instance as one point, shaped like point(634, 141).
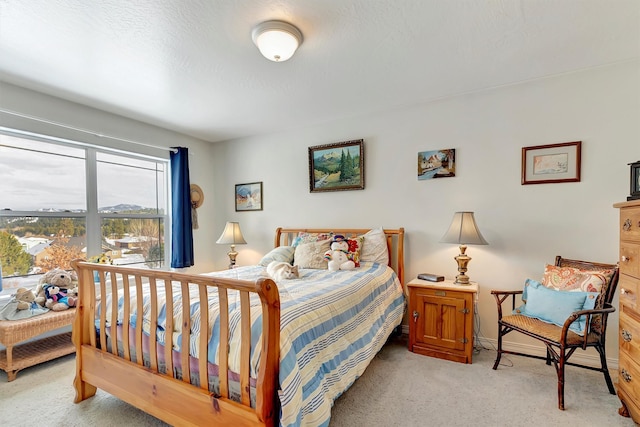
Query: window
point(62, 200)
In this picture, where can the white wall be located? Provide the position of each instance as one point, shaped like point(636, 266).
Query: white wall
point(526, 226)
point(26, 102)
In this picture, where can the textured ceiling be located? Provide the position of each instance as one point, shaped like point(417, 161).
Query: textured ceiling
point(191, 66)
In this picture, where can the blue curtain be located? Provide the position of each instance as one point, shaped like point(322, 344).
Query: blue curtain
point(181, 231)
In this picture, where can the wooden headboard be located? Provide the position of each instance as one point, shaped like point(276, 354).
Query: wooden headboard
point(395, 242)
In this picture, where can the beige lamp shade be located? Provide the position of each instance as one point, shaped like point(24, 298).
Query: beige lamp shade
point(463, 231)
point(231, 236)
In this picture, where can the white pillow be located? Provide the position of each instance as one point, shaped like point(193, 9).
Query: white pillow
point(281, 253)
point(311, 255)
point(375, 248)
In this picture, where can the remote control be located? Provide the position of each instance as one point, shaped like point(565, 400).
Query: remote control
point(431, 277)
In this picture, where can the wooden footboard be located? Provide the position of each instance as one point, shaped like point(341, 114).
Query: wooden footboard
point(154, 390)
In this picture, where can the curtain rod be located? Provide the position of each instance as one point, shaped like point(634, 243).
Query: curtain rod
point(99, 135)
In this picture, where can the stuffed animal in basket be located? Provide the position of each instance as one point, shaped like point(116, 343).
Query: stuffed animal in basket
point(25, 297)
point(338, 256)
point(56, 290)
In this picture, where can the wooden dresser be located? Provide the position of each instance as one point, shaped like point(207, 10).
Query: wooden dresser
point(629, 285)
point(441, 322)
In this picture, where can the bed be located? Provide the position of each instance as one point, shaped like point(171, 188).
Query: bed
point(292, 348)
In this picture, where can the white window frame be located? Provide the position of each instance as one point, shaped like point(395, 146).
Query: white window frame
point(92, 216)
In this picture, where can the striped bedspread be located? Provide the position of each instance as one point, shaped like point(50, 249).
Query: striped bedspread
point(332, 325)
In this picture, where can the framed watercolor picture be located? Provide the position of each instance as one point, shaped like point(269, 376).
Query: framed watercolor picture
point(553, 163)
point(336, 167)
point(249, 197)
point(437, 164)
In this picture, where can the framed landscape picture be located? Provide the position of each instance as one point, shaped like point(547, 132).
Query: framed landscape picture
point(249, 197)
point(437, 164)
point(336, 167)
point(553, 163)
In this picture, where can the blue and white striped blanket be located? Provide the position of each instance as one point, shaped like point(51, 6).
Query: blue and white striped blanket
point(332, 325)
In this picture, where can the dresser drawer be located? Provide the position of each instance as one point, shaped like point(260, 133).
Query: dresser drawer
point(629, 377)
point(629, 336)
point(630, 259)
point(629, 288)
point(630, 223)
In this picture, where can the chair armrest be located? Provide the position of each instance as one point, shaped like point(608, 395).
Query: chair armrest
point(604, 312)
point(500, 296)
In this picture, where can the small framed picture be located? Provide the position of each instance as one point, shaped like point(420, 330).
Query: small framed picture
point(437, 164)
point(336, 167)
point(249, 197)
point(551, 164)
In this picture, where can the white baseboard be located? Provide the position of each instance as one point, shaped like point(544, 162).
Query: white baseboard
point(580, 357)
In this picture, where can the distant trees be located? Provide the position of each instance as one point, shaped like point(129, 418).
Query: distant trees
point(13, 258)
point(59, 255)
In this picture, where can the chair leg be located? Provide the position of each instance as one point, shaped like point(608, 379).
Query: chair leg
point(499, 355)
point(560, 372)
point(548, 361)
point(605, 370)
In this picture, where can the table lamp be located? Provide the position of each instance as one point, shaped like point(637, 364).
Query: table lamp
point(463, 231)
point(231, 236)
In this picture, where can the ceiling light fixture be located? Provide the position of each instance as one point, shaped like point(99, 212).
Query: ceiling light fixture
point(277, 40)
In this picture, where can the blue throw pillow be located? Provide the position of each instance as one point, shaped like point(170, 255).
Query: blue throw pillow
point(555, 307)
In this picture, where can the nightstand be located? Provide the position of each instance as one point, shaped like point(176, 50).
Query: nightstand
point(441, 319)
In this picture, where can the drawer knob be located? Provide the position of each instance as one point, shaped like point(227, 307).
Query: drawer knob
point(626, 335)
point(625, 375)
point(627, 225)
point(624, 258)
point(624, 291)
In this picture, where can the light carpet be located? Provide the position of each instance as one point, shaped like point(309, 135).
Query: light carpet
point(398, 388)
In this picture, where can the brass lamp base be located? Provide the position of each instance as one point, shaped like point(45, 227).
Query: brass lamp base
point(232, 257)
point(462, 260)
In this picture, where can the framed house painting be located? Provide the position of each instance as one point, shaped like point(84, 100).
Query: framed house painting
point(336, 167)
point(550, 164)
point(437, 164)
point(249, 197)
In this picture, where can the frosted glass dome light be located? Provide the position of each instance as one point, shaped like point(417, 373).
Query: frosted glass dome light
point(276, 40)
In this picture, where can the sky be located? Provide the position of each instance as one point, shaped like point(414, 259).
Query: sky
point(31, 180)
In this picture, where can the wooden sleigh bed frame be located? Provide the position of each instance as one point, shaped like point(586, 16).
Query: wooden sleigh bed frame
point(157, 392)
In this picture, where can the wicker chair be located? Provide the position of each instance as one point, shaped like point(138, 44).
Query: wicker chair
point(560, 341)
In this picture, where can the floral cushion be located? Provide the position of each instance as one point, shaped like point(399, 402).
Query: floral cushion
point(355, 249)
point(574, 279)
point(304, 237)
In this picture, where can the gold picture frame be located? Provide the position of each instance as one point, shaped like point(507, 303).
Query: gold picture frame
point(336, 167)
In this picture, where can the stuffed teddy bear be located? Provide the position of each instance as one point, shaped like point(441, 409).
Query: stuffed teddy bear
point(338, 256)
point(56, 290)
point(24, 297)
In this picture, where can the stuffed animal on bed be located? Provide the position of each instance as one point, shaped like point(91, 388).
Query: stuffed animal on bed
point(338, 256)
point(56, 290)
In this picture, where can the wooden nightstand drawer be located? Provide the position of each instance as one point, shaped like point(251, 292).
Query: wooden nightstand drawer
point(629, 338)
point(629, 288)
point(629, 377)
point(630, 223)
point(629, 259)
